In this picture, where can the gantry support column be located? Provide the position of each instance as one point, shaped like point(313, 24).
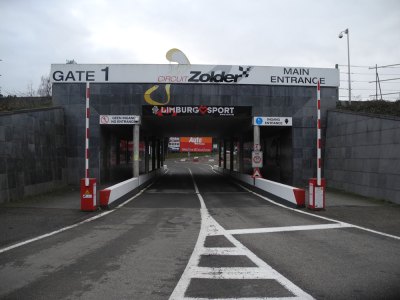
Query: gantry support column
point(224, 153)
point(256, 137)
point(158, 154)
point(162, 152)
point(241, 155)
point(219, 153)
point(136, 150)
point(231, 147)
point(146, 155)
point(153, 153)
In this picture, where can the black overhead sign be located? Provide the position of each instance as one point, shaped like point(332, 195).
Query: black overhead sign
point(200, 110)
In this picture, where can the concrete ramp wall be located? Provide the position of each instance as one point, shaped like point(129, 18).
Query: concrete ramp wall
point(362, 154)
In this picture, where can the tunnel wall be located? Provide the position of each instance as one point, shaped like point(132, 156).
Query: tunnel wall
point(127, 98)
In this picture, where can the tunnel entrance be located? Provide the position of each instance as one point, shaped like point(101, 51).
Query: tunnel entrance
point(229, 127)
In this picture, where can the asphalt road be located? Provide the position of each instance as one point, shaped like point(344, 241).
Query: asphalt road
point(198, 235)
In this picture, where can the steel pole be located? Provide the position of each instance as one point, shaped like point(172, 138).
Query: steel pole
point(348, 63)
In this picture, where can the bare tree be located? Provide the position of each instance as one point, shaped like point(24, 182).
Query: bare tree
point(44, 89)
point(30, 92)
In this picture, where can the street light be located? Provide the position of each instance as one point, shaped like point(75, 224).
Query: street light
point(348, 58)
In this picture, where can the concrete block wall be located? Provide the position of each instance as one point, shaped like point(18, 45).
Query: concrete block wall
point(32, 152)
point(362, 154)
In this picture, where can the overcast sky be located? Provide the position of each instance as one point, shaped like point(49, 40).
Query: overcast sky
point(35, 34)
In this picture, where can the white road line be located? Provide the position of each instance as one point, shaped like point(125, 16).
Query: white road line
point(288, 228)
point(222, 251)
point(321, 217)
point(211, 227)
point(249, 298)
point(70, 226)
point(310, 214)
point(232, 273)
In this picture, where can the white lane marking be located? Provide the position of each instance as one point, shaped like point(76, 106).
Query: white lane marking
point(310, 214)
point(232, 273)
point(249, 298)
point(288, 228)
point(71, 226)
point(223, 251)
point(209, 226)
point(321, 217)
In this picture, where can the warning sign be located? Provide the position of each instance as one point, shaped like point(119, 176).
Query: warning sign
point(87, 195)
point(257, 159)
point(119, 119)
point(257, 173)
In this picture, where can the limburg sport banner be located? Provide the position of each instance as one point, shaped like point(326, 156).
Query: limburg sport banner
point(195, 110)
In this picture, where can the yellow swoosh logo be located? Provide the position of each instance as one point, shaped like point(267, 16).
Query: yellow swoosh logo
point(149, 100)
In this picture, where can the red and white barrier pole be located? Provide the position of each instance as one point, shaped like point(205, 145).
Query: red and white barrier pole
point(316, 197)
point(88, 185)
point(87, 134)
point(319, 162)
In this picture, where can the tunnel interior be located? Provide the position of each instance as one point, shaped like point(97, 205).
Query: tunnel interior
point(235, 133)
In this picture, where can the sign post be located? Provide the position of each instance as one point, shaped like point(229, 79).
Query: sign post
point(257, 159)
point(257, 163)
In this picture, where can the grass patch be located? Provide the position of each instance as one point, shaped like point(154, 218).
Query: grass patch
point(20, 103)
point(378, 107)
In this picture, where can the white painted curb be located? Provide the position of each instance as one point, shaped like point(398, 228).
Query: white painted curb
point(115, 192)
point(286, 192)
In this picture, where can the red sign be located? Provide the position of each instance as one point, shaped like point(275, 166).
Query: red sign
point(257, 173)
point(196, 144)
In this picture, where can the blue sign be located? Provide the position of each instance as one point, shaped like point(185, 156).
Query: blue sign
point(259, 121)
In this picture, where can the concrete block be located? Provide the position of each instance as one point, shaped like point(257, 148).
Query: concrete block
point(2, 133)
point(392, 182)
point(388, 136)
point(389, 124)
point(389, 166)
point(391, 151)
point(392, 195)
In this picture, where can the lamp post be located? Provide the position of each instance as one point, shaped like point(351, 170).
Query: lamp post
point(348, 58)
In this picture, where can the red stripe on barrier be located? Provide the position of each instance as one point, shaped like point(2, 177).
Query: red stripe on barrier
point(87, 112)
point(300, 196)
point(319, 86)
point(87, 93)
point(87, 153)
point(319, 104)
point(319, 163)
point(104, 197)
point(87, 132)
point(319, 124)
point(87, 173)
point(319, 143)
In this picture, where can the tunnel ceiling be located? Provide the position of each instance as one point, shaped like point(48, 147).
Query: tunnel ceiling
point(195, 126)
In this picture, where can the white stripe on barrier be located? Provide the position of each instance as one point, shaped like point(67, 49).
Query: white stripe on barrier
point(286, 192)
point(278, 189)
point(115, 192)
